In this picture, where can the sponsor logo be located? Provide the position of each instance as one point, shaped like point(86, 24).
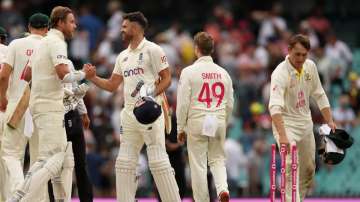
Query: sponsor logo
point(132, 72)
point(61, 57)
point(163, 59)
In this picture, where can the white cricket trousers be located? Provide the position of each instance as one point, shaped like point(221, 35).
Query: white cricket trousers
point(132, 140)
point(12, 151)
point(305, 142)
point(204, 151)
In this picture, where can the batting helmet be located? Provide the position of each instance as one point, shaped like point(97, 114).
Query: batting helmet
point(146, 110)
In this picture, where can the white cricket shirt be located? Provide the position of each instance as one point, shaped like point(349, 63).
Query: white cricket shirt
point(18, 57)
point(204, 88)
point(142, 63)
point(47, 91)
point(291, 91)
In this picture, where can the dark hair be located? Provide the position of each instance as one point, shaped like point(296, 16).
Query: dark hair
point(137, 17)
point(59, 13)
point(204, 42)
point(301, 39)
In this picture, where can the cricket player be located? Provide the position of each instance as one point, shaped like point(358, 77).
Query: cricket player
point(3, 51)
point(204, 104)
point(293, 82)
point(141, 61)
point(49, 67)
point(12, 83)
point(76, 118)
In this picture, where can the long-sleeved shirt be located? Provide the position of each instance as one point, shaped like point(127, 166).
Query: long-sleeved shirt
point(291, 91)
point(204, 88)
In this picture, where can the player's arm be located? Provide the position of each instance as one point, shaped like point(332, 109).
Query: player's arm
point(27, 73)
point(165, 81)
point(318, 93)
point(276, 105)
point(111, 84)
point(5, 72)
point(183, 101)
point(161, 66)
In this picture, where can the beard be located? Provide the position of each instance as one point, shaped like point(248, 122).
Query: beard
point(126, 37)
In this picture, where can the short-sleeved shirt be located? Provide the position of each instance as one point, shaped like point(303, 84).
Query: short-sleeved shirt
point(3, 51)
point(291, 91)
point(18, 57)
point(142, 63)
point(47, 91)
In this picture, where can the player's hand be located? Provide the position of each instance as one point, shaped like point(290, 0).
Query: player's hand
point(181, 137)
point(332, 125)
point(85, 121)
point(89, 70)
point(283, 140)
point(3, 104)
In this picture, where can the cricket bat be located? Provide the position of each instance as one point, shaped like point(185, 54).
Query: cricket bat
point(167, 115)
point(20, 108)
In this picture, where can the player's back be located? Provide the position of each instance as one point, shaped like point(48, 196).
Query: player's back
point(18, 57)
point(210, 88)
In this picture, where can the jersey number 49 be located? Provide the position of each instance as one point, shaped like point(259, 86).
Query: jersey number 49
point(217, 92)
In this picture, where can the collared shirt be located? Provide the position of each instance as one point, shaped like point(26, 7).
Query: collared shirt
point(292, 90)
point(47, 92)
point(18, 57)
point(204, 87)
point(142, 63)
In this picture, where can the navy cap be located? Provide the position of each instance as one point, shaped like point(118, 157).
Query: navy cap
point(39, 20)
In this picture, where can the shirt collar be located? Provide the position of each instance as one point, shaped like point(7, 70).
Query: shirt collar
point(37, 36)
point(140, 46)
point(292, 69)
point(204, 59)
point(57, 33)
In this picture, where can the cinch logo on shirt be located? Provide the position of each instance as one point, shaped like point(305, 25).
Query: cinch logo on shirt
point(134, 71)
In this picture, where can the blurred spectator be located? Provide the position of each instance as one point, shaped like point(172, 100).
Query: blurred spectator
point(256, 167)
point(271, 23)
point(344, 115)
point(90, 23)
point(237, 168)
point(115, 20)
point(338, 50)
point(11, 19)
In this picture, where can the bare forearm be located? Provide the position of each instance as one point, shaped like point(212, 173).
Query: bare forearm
point(103, 83)
point(162, 86)
point(326, 113)
point(279, 124)
point(4, 82)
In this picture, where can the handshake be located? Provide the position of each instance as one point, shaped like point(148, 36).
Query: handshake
point(89, 70)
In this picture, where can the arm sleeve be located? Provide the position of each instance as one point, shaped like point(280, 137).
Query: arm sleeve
point(318, 92)
point(81, 107)
point(58, 53)
point(277, 90)
point(183, 101)
point(10, 55)
point(230, 98)
point(117, 68)
point(158, 59)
